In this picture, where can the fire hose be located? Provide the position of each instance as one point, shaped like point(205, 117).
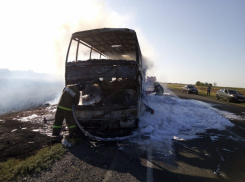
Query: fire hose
point(116, 139)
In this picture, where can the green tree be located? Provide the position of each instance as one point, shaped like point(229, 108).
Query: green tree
point(198, 83)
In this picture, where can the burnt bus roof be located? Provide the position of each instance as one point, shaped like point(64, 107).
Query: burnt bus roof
point(110, 41)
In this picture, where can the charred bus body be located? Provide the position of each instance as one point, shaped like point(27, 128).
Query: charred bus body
point(113, 74)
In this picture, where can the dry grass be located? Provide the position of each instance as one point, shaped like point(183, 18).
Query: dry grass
point(43, 159)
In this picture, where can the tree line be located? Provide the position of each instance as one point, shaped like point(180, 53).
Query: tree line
point(198, 83)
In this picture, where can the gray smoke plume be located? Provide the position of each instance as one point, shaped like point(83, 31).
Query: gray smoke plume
point(22, 90)
point(147, 64)
point(100, 17)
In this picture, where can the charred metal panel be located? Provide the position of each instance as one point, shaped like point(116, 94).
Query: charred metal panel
point(115, 85)
point(78, 71)
point(100, 125)
point(119, 114)
point(107, 115)
point(92, 62)
point(105, 112)
point(130, 123)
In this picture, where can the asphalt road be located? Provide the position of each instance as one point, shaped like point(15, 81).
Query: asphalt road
point(200, 159)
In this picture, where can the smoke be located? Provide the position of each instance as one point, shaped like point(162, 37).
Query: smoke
point(22, 90)
point(43, 30)
point(99, 15)
point(148, 64)
point(103, 17)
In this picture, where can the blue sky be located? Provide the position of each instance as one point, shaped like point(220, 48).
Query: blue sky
point(193, 40)
point(186, 40)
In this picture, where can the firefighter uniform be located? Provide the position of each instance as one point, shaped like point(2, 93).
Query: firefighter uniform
point(158, 89)
point(70, 95)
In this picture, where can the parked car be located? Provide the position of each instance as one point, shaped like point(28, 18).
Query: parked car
point(230, 95)
point(189, 89)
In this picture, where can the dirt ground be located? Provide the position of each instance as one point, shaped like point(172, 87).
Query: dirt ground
point(20, 136)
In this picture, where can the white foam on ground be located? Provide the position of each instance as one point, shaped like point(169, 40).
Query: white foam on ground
point(231, 116)
point(176, 119)
point(226, 114)
point(52, 108)
point(28, 118)
point(213, 138)
point(46, 129)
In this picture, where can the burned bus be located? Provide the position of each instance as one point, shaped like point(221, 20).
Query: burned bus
point(109, 60)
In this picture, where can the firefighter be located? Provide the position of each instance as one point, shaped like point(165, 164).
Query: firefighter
point(158, 89)
point(70, 96)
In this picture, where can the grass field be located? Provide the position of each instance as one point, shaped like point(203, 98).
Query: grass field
point(43, 159)
point(202, 90)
